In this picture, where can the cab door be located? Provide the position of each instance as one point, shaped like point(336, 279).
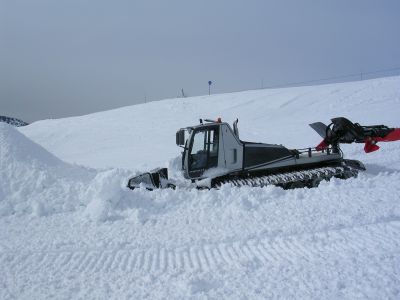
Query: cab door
point(203, 151)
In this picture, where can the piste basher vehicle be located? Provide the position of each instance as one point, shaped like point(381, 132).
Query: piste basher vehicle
point(213, 155)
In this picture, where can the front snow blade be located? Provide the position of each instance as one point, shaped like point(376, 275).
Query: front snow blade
point(150, 180)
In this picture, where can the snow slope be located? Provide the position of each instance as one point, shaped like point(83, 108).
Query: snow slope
point(143, 136)
point(96, 239)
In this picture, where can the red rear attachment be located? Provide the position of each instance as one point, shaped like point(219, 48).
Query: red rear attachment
point(341, 130)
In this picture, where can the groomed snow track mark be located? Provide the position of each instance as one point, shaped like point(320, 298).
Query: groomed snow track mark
point(346, 244)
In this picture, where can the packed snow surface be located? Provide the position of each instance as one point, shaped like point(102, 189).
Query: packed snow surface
point(71, 228)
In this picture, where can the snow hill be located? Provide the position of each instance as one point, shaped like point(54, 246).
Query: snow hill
point(71, 229)
point(142, 136)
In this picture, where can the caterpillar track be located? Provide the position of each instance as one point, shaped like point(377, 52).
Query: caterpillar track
point(290, 180)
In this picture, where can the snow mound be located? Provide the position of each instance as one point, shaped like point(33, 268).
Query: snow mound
point(34, 180)
point(107, 194)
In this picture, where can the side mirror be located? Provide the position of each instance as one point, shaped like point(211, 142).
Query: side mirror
point(180, 137)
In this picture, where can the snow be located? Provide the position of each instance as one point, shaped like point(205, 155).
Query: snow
point(34, 180)
point(71, 228)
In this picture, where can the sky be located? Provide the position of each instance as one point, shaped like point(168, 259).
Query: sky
point(72, 57)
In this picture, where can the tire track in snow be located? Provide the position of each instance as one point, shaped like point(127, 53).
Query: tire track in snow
point(370, 240)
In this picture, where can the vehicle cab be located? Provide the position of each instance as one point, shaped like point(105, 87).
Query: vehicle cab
point(210, 145)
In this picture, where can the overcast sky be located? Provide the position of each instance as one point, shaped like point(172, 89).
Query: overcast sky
point(71, 57)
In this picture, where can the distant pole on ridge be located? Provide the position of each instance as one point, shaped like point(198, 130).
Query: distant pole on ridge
point(209, 87)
